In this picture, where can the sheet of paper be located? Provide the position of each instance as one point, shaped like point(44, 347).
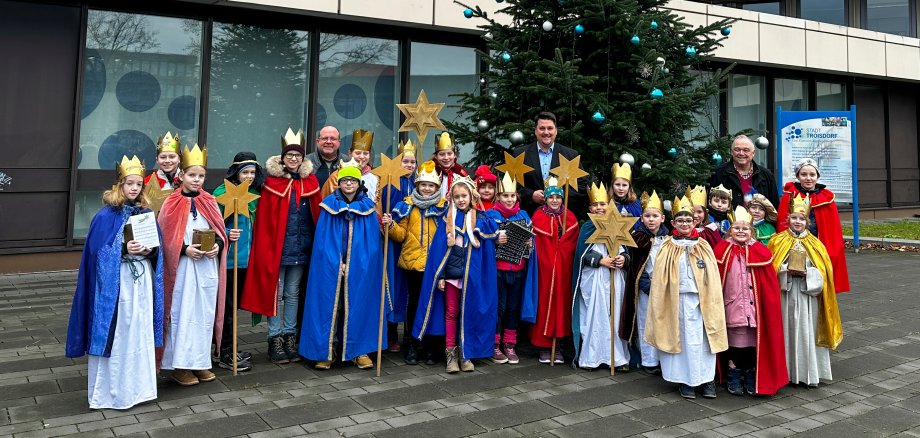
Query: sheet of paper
point(144, 227)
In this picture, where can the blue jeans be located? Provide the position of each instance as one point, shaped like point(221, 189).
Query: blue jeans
point(285, 319)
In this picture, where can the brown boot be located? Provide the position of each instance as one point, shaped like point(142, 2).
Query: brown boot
point(204, 375)
point(452, 359)
point(184, 377)
point(466, 365)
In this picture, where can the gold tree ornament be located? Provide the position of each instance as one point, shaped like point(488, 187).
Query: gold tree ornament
point(155, 196)
point(390, 171)
point(515, 166)
point(420, 117)
point(236, 199)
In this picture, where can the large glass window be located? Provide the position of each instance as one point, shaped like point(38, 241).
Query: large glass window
point(766, 7)
point(826, 11)
point(791, 94)
point(889, 16)
point(706, 128)
point(358, 88)
point(443, 72)
point(747, 108)
point(830, 96)
point(134, 90)
point(258, 89)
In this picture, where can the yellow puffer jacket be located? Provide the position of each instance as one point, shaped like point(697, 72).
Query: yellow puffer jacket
point(415, 232)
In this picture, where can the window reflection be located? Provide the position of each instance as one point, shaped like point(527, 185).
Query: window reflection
point(830, 96)
point(889, 16)
point(826, 11)
point(747, 108)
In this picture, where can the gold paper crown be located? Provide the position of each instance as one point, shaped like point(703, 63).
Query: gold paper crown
point(598, 193)
point(696, 196)
point(443, 142)
point(197, 156)
point(507, 184)
point(428, 172)
point(349, 168)
point(129, 167)
point(721, 190)
point(681, 205)
point(465, 180)
point(742, 214)
point(407, 148)
point(621, 171)
point(552, 181)
point(291, 138)
point(652, 201)
point(801, 205)
point(168, 143)
point(362, 140)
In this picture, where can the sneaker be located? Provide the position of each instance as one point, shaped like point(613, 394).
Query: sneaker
point(544, 356)
point(622, 369)
point(558, 357)
point(467, 366)
point(290, 347)
point(363, 362)
point(498, 356)
point(709, 390)
point(204, 375)
point(276, 351)
point(184, 377)
point(394, 347)
point(240, 355)
point(323, 364)
point(655, 370)
point(686, 391)
point(226, 362)
point(511, 354)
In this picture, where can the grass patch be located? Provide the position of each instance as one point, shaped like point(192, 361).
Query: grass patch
point(907, 229)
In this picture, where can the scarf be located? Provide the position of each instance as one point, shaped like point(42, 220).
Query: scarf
point(422, 201)
point(550, 212)
point(508, 212)
point(694, 234)
point(191, 197)
point(469, 222)
point(717, 215)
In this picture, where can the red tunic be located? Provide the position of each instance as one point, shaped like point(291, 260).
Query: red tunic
point(771, 351)
point(158, 177)
point(260, 294)
point(554, 259)
point(827, 218)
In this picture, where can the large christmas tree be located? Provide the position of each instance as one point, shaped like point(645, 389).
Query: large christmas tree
point(622, 76)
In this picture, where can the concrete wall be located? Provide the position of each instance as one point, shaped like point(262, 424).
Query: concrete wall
point(759, 39)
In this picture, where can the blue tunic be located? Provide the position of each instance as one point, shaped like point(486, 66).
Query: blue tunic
point(531, 279)
point(397, 290)
point(348, 234)
point(478, 300)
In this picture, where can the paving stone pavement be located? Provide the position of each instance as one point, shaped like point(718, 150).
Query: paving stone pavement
point(876, 391)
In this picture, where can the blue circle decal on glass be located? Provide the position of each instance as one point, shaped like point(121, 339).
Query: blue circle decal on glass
point(350, 101)
point(138, 91)
point(385, 99)
point(182, 112)
point(345, 145)
point(127, 142)
point(320, 117)
point(93, 82)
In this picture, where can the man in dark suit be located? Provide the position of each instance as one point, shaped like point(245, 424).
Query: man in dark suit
point(543, 156)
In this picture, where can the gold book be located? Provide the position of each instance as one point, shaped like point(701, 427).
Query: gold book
point(205, 237)
point(796, 261)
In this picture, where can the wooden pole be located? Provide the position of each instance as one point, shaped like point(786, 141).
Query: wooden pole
point(552, 354)
point(386, 241)
point(612, 310)
point(236, 255)
point(565, 202)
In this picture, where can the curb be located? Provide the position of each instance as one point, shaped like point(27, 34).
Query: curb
point(884, 242)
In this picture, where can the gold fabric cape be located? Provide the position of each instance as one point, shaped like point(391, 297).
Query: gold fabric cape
point(829, 331)
point(662, 327)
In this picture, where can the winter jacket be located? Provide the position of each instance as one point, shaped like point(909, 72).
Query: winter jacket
point(298, 234)
point(762, 180)
point(414, 228)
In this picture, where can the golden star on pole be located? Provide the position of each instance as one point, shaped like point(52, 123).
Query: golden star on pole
point(155, 196)
point(421, 116)
point(612, 230)
point(240, 194)
point(390, 171)
point(568, 172)
point(515, 167)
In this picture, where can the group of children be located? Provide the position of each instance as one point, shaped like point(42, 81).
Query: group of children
point(720, 296)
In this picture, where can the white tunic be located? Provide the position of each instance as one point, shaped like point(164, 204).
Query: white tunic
point(649, 353)
point(593, 300)
point(371, 182)
point(128, 376)
point(194, 302)
point(696, 363)
point(807, 363)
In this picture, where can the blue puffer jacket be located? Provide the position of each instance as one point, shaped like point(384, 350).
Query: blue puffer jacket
point(298, 236)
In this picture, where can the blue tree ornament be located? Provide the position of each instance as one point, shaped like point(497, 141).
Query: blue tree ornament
point(690, 51)
point(726, 31)
point(672, 152)
point(635, 40)
point(468, 13)
point(579, 29)
point(506, 57)
point(598, 117)
point(653, 25)
point(717, 158)
point(656, 94)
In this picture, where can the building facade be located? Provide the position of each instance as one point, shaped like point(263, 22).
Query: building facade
point(89, 81)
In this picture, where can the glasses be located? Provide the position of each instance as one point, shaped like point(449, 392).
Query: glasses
point(347, 181)
point(328, 139)
point(683, 221)
point(292, 156)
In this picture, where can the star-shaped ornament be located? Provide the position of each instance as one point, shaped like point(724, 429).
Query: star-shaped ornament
point(390, 171)
point(568, 172)
point(612, 230)
point(515, 167)
point(156, 196)
point(421, 116)
point(236, 199)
